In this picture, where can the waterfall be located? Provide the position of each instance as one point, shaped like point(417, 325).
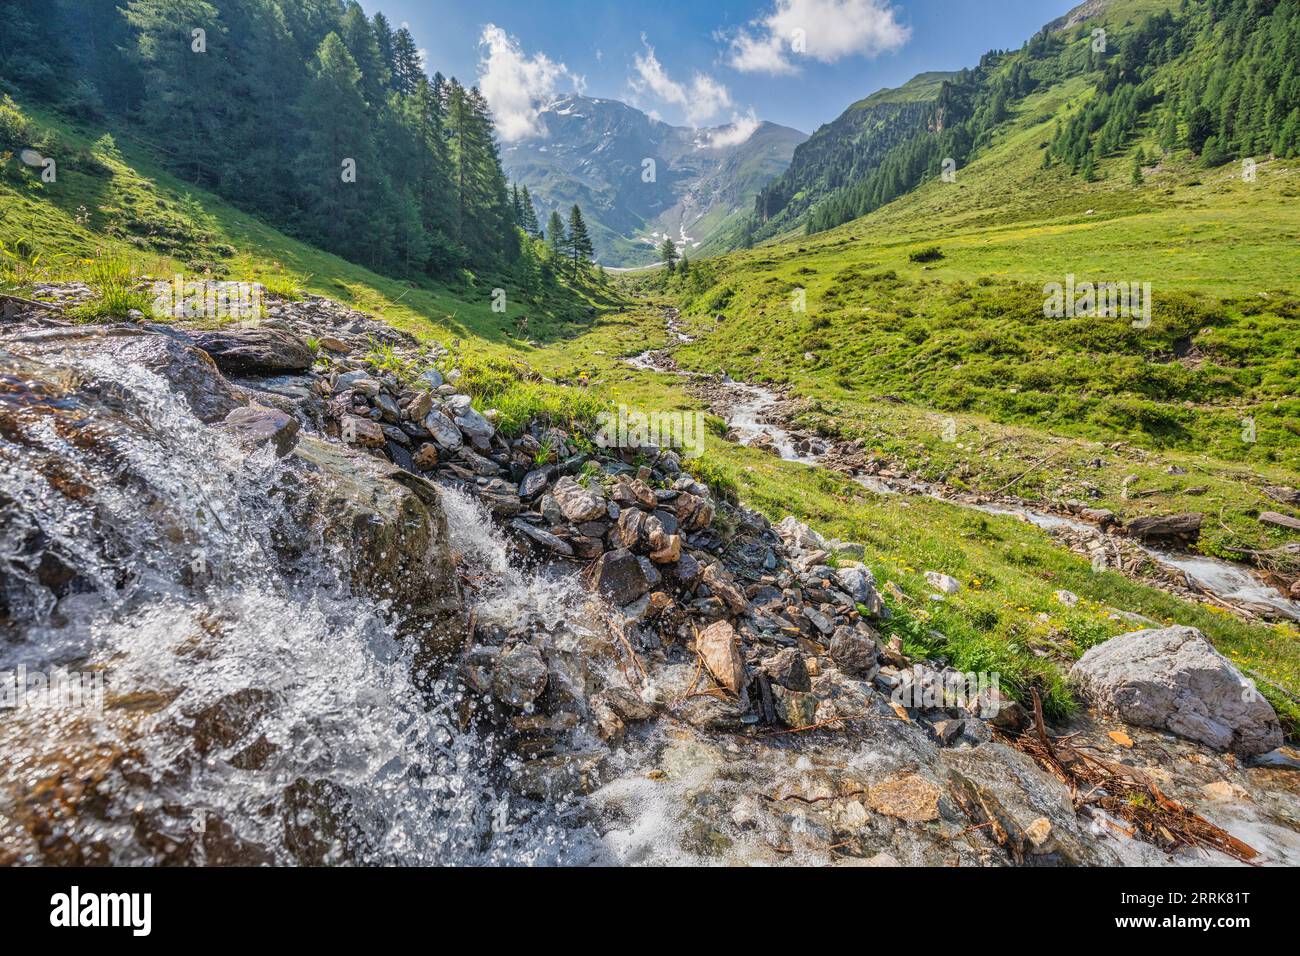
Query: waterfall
point(256, 710)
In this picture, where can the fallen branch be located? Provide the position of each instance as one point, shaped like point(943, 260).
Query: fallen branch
point(1126, 794)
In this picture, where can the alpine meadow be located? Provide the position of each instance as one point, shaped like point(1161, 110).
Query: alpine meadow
point(578, 435)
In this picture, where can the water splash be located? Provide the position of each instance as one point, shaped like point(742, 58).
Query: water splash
point(257, 712)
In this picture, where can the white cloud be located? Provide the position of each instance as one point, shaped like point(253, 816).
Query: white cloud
point(515, 85)
point(702, 99)
point(826, 30)
point(741, 128)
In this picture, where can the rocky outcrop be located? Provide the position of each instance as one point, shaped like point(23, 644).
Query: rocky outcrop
point(1173, 679)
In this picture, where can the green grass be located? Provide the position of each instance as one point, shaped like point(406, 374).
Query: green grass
point(569, 368)
point(928, 315)
point(1006, 615)
point(112, 199)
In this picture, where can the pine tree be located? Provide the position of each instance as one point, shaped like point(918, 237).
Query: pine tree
point(668, 254)
point(556, 240)
point(578, 245)
point(529, 222)
point(406, 62)
point(359, 37)
point(386, 42)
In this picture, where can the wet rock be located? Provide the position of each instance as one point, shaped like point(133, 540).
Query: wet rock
point(717, 645)
point(1173, 679)
point(188, 371)
point(520, 676)
point(618, 576)
point(544, 539)
point(1021, 808)
point(253, 427)
point(391, 528)
point(626, 703)
point(559, 777)
point(910, 798)
point(261, 350)
point(363, 432)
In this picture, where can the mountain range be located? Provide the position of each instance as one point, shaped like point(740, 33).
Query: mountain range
point(639, 180)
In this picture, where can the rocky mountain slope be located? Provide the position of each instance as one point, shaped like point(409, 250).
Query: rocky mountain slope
point(845, 150)
point(593, 152)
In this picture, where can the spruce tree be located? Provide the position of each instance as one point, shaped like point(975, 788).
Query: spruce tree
point(579, 243)
point(668, 254)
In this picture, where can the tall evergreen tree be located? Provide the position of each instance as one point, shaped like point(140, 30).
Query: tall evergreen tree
point(359, 37)
point(578, 244)
point(407, 69)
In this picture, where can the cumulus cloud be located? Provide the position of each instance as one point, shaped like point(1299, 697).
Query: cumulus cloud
point(516, 85)
point(739, 131)
point(826, 30)
point(701, 99)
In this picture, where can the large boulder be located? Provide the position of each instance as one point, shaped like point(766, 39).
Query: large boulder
point(264, 349)
point(188, 371)
point(390, 528)
point(1172, 679)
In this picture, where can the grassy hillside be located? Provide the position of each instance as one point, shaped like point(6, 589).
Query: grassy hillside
point(963, 333)
point(112, 200)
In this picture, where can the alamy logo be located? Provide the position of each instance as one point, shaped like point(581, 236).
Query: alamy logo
point(1130, 300)
point(73, 909)
point(60, 689)
point(179, 299)
point(631, 429)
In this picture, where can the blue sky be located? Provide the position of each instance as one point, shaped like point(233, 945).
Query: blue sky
point(707, 62)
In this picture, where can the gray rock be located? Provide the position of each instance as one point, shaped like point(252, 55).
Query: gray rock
point(855, 653)
point(788, 669)
point(544, 539)
point(520, 676)
point(260, 349)
point(535, 482)
point(1173, 679)
point(943, 583)
point(255, 426)
point(577, 503)
point(469, 420)
point(444, 431)
point(618, 575)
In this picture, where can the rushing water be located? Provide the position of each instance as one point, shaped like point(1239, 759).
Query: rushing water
point(268, 706)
